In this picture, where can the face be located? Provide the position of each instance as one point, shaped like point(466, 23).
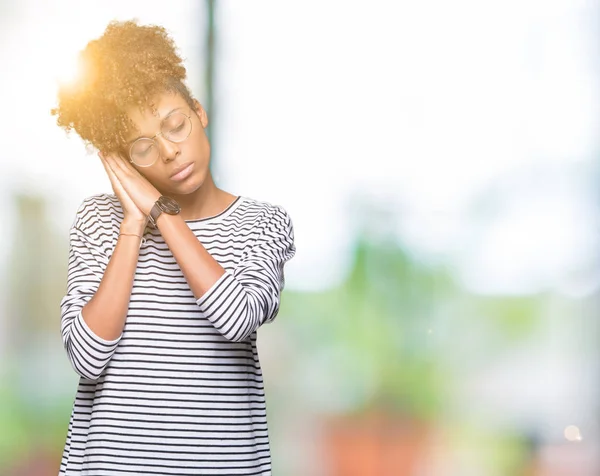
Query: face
point(182, 165)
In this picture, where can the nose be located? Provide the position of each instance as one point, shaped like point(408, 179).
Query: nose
point(168, 150)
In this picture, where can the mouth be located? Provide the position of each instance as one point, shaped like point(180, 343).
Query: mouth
point(182, 172)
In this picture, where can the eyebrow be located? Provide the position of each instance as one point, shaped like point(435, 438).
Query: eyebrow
point(165, 116)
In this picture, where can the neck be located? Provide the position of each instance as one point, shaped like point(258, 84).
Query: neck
point(205, 202)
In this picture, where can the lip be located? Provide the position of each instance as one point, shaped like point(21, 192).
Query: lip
point(182, 172)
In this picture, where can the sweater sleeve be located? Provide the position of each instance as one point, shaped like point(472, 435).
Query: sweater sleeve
point(245, 298)
point(88, 353)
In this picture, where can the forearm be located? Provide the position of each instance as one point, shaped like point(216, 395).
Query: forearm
point(237, 302)
point(200, 269)
point(105, 313)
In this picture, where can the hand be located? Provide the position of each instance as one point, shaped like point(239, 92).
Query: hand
point(136, 194)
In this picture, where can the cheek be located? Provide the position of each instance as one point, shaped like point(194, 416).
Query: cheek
point(198, 147)
point(154, 176)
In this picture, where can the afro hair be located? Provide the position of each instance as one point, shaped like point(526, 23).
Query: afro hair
point(128, 66)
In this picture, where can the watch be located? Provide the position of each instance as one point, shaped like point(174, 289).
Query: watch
point(163, 204)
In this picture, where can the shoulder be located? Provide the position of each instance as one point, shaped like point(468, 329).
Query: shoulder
point(98, 211)
point(264, 214)
point(271, 224)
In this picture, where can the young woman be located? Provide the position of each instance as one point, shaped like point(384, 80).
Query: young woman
point(168, 279)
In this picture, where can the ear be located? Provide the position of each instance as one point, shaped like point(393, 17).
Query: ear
point(201, 114)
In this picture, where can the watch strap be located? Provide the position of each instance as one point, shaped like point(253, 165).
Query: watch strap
point(155, 213)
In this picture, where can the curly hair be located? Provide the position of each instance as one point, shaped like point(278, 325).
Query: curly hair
point(126, 67)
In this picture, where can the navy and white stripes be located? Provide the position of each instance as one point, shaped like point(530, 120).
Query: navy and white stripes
point(180, 392)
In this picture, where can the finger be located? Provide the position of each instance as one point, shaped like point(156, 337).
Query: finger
point(131, 169)
point(107, 166)
point(113, 177)
point(115, 166)
point(114, 182)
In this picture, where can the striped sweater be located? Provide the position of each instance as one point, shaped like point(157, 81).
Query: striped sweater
point(180, 392)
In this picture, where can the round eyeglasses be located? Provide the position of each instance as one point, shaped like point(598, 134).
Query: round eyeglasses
point(176, 127)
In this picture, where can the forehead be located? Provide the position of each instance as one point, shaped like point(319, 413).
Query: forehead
point(148, 120)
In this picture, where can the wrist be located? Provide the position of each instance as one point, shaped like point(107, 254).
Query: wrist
point(164, 205)
point(148, 208)
point(136, 227)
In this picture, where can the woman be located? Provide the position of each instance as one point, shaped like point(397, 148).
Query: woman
point(168, 279)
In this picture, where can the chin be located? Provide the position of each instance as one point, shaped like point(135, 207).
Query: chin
point(189, 186)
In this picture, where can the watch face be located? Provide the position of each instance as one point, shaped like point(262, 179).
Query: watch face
point(169, 205)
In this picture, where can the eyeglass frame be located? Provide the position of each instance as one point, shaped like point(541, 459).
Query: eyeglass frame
point(189, 118)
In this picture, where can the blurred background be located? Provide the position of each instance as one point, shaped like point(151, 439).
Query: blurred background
point(440, 162)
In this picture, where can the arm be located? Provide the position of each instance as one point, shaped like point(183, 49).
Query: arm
point(98, 291)
point(237, 302)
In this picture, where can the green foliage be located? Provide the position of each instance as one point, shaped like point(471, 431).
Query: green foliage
point(375, 326)
point(26, 426)
point(381, 339)
point(516, 317)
